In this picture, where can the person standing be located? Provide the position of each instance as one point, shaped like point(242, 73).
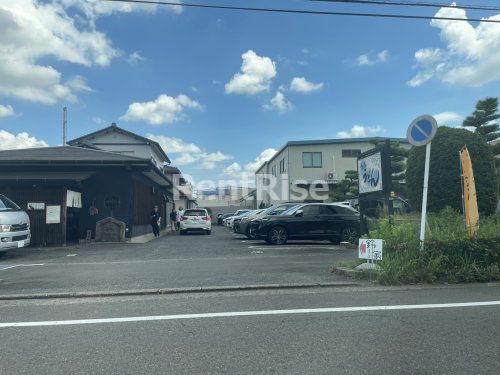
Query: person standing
point(178, 218)
point(155, 221)
point(173, 220)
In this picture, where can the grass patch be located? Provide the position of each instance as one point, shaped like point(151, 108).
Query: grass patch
point(450, 254)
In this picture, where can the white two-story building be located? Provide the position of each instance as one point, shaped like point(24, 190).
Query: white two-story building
point(298, 165)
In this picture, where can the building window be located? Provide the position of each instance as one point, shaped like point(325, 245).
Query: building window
point(282, 166)
point(273, 171)
point(312, 159)
point(348, 153)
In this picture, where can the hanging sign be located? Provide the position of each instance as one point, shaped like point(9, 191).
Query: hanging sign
point(370, 173)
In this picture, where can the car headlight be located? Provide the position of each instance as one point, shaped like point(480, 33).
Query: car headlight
point(5, 228)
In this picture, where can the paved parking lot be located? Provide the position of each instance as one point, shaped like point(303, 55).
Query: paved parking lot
point(221, 259)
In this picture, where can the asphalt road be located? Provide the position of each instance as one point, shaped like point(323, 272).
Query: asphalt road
point(173, 261)
point(359, 339)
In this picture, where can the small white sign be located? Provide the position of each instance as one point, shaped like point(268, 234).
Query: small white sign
point(36, 206)
point(370, 248)
point(20, 243)
point(53, 215)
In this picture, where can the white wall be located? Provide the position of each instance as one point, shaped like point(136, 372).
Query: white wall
point(332, 162)
point(137, 150)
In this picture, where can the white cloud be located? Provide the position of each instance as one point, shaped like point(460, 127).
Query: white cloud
point(471, 56)
point(305, 51)
point(134, 58)
point(279, 103)
point(31, 31)
point(189, 153)
point(302, 62)
point(185, 159)
point(172, 145)
point(380, 57)
point(232, 170)
point(210, 161)
point(78, 83)
point(165, 109)
point(98, 120)
point(94, 9)
point(359, 131)
point(300, 84)
point(6, 111)
point(264, 156)
point(9, 141)
point(255, 77)
point(447, 118)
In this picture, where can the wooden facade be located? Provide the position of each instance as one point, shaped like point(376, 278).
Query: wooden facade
point(124, 188)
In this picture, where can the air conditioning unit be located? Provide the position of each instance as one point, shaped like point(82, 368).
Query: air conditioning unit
point(330, 176)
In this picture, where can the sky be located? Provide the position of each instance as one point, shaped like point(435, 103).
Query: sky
point(222, 90)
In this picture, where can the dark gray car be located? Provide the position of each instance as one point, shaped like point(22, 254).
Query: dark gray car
point(244, 224)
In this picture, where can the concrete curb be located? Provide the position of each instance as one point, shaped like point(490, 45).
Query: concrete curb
point(143, 292)
point(354, 273)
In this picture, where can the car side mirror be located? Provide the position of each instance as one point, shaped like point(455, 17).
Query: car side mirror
point(299, 213)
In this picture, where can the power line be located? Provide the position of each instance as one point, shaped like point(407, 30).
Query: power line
point(414, 4)
point(297, 11)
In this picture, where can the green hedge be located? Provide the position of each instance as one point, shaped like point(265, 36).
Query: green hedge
point(444, 174)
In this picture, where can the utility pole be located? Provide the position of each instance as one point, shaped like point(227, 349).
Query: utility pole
point(65, 125)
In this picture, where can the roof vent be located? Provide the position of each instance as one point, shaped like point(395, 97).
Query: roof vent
point(113, 124)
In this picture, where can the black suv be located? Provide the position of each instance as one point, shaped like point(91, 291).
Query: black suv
point(312, 221)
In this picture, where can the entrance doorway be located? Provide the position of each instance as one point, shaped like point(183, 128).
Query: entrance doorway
point(72, 224)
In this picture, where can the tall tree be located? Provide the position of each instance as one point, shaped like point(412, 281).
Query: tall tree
point(398, 155)
point(483, 119)
point(346, 188)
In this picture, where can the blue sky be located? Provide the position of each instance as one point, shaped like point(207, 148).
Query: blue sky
point(177, 76)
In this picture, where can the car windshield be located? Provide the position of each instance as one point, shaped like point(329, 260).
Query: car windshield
point(7, 205)
point(195, 213)
point(288, 210)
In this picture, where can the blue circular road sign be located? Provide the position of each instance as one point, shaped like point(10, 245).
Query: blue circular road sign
point(421, 130)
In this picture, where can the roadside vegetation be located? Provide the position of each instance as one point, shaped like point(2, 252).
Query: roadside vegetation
point(450, 255)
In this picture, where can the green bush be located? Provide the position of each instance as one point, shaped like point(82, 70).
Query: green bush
point(449, 255)
point(444, 178)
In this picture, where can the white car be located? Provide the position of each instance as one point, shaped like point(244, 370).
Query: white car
point(230, 219)
point(14, 225)
point(195, 220)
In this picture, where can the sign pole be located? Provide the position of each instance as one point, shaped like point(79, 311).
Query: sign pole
point(423, 218)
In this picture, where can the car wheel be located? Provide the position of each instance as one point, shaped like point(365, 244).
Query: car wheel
point(350, 235)
point(278, 236)
point(251, 233)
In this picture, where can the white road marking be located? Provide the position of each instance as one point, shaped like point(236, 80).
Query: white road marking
point(71, 255)
point(247, 313)
point(295, 247)
point(9, 266)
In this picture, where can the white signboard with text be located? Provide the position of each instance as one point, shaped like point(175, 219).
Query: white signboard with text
point(370, 248)
point(36, 206)
point(370, 173)
point(53, 215)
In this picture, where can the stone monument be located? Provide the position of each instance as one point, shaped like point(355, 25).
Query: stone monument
point(110, 230)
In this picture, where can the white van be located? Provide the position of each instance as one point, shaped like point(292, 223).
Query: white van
point(14, 225)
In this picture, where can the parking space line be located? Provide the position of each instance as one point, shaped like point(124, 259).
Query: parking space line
point(9, 266)
point(249, 313)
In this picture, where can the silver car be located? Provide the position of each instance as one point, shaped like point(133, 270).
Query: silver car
point(14, 225)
